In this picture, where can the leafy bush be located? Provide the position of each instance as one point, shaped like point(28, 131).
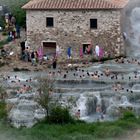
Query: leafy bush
point(45, 93)
point(60, 115)
point(20, 15)
point(4, 33)
point(1, 21)
point(55, 112)
point(3, 112)
point(128, 115)
point(14, 6)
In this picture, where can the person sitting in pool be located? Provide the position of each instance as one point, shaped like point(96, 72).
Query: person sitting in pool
point(119, 86)
point(114, 87)
point(23, 89)
point(95, 77)
point(107, 72)
point(29, 88)
point(98, 111)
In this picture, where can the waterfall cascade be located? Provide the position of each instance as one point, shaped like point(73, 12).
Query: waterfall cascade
point(131, 27)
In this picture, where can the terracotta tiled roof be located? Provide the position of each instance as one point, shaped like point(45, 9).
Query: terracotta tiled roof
point(120, 3)
point(74, 4)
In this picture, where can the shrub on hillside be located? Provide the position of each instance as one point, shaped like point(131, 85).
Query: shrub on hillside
point(128, 115)
point(20, 15)
point(15, 7)
point(60, 115)
point(3, 112)
point(4, 33)
point(45, 93)
point(1, 21)
point(56, 113)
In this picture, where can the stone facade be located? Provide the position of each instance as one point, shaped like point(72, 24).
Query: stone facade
point(72, 28)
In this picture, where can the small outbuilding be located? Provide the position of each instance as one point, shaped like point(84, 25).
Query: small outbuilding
point(60, 26)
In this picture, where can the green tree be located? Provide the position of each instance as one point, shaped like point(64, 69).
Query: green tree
point(1, 21)
point(15, 7)
point(20, 15)
point(56, 112)
point(3, 110)
point(45, 93)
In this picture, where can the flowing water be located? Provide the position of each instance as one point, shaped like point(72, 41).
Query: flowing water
point(131, 26)
point(94, 97)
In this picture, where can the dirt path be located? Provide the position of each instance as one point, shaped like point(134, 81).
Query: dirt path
point(132, 135)
point(136, 136)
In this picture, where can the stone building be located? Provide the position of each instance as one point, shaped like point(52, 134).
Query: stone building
point(75, 24)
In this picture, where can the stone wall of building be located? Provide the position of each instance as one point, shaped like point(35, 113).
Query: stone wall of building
point(72, 28)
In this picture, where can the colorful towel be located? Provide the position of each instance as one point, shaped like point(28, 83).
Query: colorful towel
point(40, 52)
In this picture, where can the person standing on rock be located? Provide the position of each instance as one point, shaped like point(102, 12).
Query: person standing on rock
point(98, 111)
point(33, 58)
point(97, 51)
point(54, 62)
point(58, 51)
point(26, 55)
point(69, 52)
point(77, 114)
point(40, 54)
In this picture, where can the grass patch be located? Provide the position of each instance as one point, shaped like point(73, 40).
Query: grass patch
point(78, 131)
point(75, 131)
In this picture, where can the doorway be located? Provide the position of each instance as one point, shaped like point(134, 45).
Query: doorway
point(49, 48)
point(87, 49)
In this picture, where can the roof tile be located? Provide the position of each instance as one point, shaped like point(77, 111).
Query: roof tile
point(75, 4)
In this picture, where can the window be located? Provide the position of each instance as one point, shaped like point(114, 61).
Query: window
point(93, 23)
point(49, 22)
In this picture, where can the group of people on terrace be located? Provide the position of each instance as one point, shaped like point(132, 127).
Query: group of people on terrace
point(35, 57)
point(87, 50)
point(38, 55)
